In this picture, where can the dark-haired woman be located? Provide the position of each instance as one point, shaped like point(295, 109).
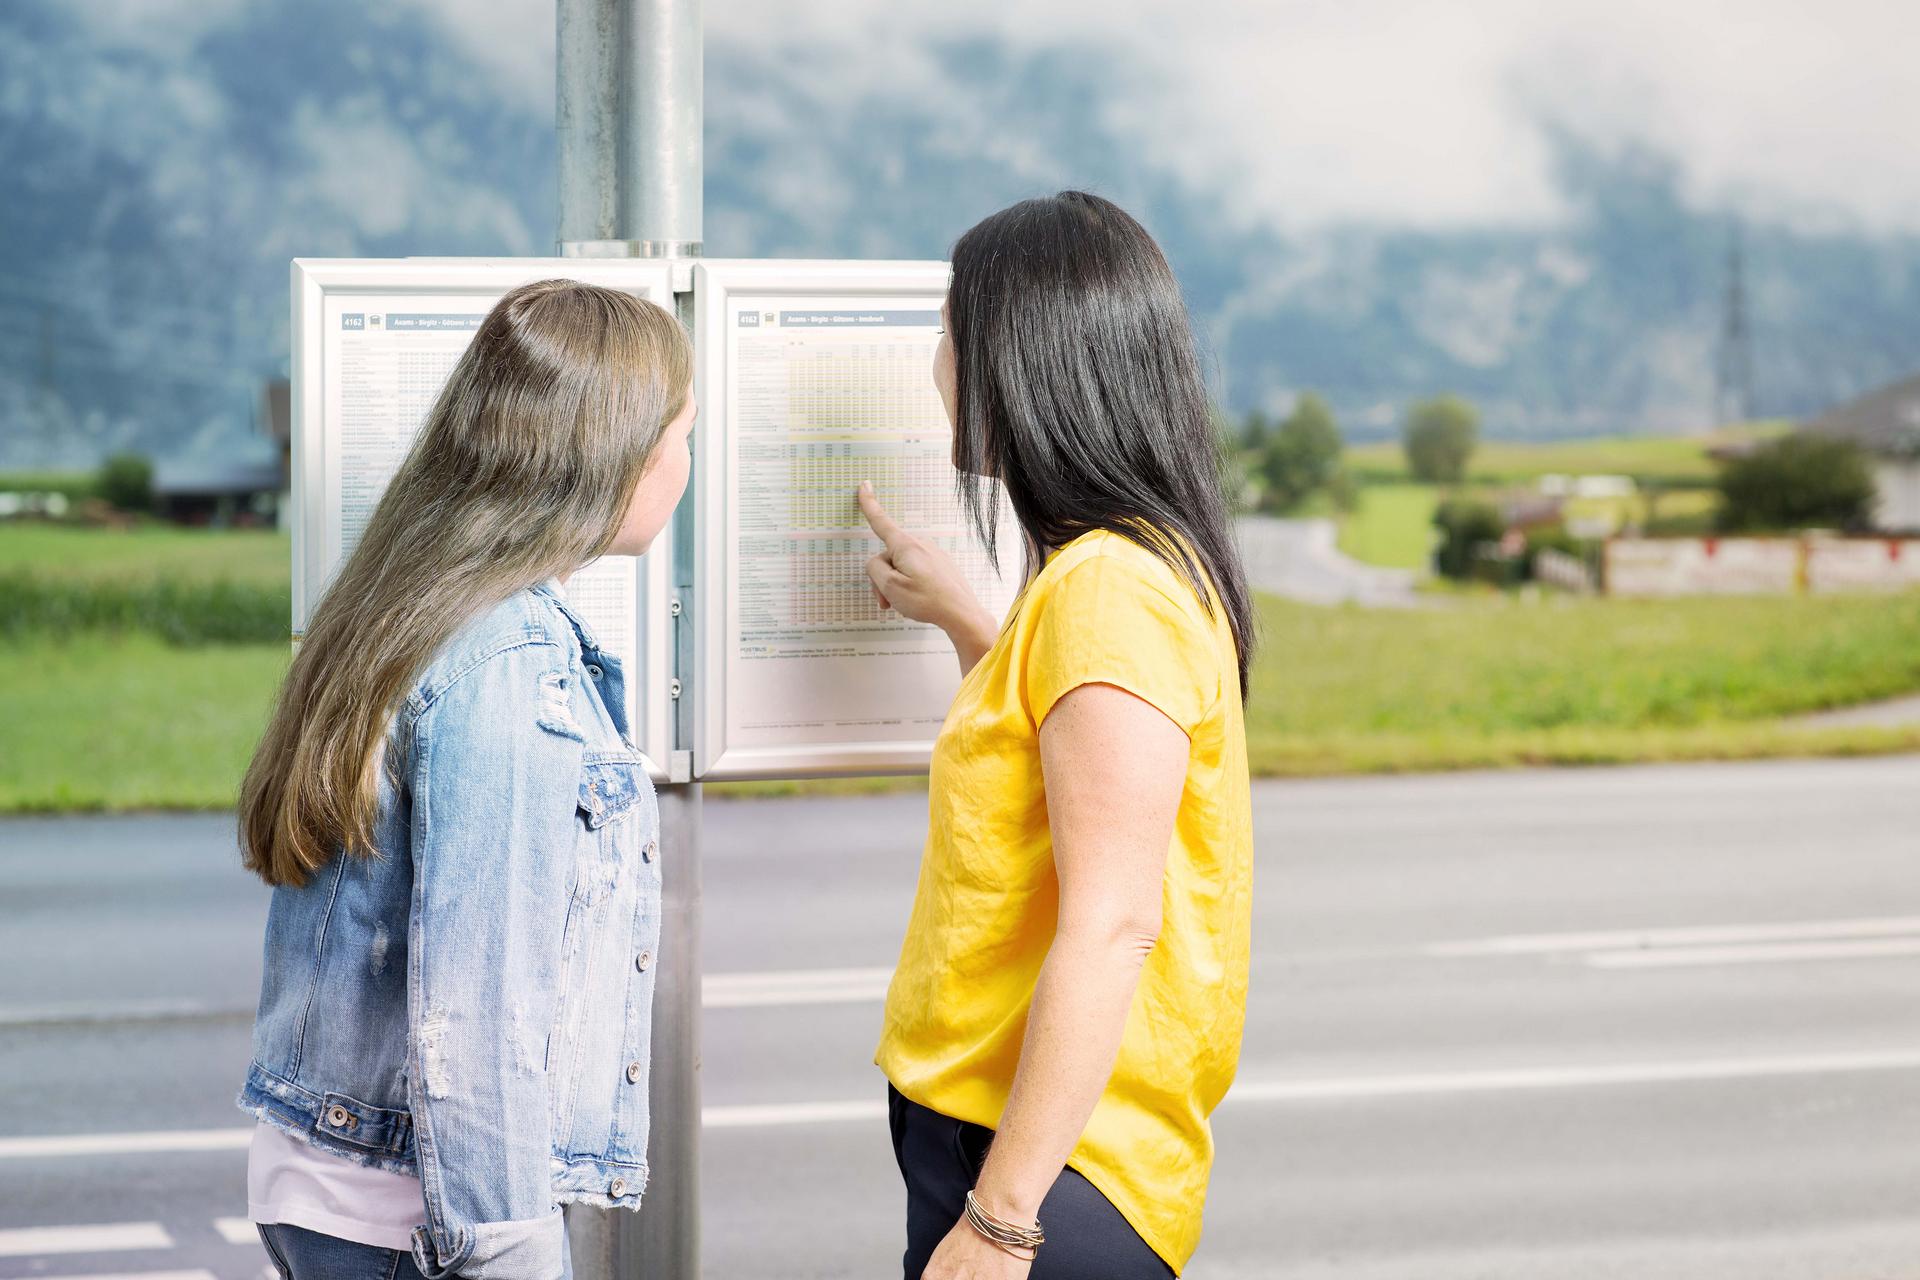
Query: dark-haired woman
point(1068, 1006)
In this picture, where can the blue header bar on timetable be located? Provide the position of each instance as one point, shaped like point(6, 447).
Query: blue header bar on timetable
point(858, 319)
point(421, 322)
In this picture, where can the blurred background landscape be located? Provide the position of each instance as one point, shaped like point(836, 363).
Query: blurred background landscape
point(1566, 366)
point(1593, 261)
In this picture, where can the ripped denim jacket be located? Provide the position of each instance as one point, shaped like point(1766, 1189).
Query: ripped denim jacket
point(473, 1004)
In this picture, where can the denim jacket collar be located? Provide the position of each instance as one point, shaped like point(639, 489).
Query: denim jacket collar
point(553, 589)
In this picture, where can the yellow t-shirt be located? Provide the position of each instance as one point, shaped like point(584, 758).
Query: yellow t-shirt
point(1102, 609)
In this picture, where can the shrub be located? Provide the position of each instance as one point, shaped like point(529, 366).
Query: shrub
point(181, 612)
point(1465, 526)
point(1796, 482)
point(126, 481)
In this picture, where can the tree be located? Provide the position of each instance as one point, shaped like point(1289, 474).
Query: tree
point(1465, 525)
point(126, 482)
point(1303, 456)
point(1439, 437)
point(1795, 482)
point(1255, 431)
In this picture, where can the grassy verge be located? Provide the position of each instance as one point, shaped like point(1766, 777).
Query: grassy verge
point(1495, 682)
point(92, 723)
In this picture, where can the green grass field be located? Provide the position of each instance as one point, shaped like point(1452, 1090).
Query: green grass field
point(150, 551)
point(1499, 681)
point(129, 723)
point(96, 723)
point(1673, 459)
point(1391, 526)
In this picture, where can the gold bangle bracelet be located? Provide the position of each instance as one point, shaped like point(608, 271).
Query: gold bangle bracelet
point(1009, 1236)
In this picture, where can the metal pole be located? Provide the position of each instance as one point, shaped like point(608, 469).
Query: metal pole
point(628, 111)
point(587, 126)
point(628, 115)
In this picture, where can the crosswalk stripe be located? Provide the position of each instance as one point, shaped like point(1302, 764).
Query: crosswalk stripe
point(126, 1144)
point(106, 1237)
point(237, 1230)
point(794, 987)
point(776, 1114)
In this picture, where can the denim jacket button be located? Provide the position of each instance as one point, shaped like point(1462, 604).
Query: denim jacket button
point(633, 1073)
point(617, 1188)
point(337, 1116)
point(652, 847)
point(643, 961)
point(593, 669)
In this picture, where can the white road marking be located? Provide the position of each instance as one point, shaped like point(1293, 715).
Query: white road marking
point(794, 987)
point(1763, 953)
point(770, 1115)
point(767, 1115)
point(126, 1144)
point(717, 991)
point(1495, 1081)
point(105, 1237)
point(237, 1230)
point(134, 1011)
point(1695, 935)
point(149, 1275)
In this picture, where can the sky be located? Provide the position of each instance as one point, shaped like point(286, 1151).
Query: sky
point(1382, 112)
point(1529, 203)
point(1396, 112)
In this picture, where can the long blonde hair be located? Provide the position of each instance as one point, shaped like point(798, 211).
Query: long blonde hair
point(523, 470)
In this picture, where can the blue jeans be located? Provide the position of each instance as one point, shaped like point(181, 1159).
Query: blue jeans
point(300, 1254)
point(940, 1157)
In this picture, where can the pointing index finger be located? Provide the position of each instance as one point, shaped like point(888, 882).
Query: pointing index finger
point(883, 524)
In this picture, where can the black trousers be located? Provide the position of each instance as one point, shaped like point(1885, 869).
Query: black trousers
point(940, 1158)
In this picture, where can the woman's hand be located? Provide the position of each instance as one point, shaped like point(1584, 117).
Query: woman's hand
point(922, 582)
point(967, 1255)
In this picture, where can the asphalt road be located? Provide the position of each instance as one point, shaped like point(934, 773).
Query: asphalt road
point(1301, 560)
point(1640, 1023)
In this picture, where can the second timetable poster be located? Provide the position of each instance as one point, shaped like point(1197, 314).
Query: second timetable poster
point(823, 393)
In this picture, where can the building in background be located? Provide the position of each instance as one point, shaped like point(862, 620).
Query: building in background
point(1886, 424)
point(219, 492)
point(276, 423)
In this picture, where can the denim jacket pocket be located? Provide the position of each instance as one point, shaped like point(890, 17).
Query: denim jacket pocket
point(610, 787)
point(354, 1123)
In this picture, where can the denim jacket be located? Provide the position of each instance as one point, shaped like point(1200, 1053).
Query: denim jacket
point(473, 1005)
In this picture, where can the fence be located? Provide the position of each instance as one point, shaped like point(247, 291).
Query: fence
point(1558, 569)
point(1758, 566)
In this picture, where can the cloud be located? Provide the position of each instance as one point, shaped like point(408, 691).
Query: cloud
point(356, 170)
point(1399, 113)
point(1384, 112)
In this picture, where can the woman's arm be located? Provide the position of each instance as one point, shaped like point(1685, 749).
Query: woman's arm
point(1112, 814)
point(920, 581)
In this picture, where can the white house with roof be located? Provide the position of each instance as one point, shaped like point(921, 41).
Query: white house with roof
point(1886, 424)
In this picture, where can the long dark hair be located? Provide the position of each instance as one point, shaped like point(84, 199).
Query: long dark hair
point(1077, 386)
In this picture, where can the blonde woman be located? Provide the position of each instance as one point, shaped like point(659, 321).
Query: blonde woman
point(452, 1038)
point(1068, 1005)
